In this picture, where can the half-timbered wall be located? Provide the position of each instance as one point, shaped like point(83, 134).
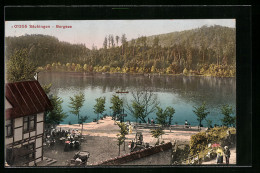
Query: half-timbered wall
point(20, 138)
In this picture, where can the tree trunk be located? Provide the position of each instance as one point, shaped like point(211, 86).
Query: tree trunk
point(82, 129)
point(78, 119)
point(119, 150)
point(203, 57)
point(124, 146)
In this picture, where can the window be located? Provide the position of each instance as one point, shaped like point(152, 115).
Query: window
point(29, 123)
point(31, 148)
point(9, 128)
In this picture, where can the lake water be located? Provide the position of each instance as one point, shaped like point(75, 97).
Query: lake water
point(180, 92)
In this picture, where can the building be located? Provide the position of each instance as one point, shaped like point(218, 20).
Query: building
point(158, 155)
point(25, 104)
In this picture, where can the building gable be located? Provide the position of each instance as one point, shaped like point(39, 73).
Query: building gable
point(27, 98)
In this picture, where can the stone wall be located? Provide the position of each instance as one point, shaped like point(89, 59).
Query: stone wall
point(158, 155)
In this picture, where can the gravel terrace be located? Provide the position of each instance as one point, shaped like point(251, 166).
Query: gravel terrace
point(101, 141)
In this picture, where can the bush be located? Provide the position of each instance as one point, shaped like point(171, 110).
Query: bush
point(185, 71)
point(198, 142)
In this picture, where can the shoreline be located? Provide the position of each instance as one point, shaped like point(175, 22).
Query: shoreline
point(108, 128)
point(106, 74)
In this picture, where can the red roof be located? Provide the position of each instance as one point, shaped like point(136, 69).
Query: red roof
point(26, 98)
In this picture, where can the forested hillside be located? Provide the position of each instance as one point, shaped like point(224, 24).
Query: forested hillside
point(206, 51)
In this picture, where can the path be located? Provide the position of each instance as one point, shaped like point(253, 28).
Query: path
point(232, 159)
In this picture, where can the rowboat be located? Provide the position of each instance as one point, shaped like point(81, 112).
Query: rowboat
point(122, 92)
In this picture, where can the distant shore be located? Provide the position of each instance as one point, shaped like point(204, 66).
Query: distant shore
point(106, 74)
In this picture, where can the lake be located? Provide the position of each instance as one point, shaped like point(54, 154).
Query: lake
point(180, 92)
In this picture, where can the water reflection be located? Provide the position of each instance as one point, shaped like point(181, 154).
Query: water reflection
point(181, 92)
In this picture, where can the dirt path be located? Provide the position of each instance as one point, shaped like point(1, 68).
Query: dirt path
point(232, 159)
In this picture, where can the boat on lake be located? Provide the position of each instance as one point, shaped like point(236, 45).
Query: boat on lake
point(122, 92)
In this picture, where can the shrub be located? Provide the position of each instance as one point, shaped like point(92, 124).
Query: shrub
point(198, 142)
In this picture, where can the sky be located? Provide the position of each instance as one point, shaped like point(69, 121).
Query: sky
point(91, 32)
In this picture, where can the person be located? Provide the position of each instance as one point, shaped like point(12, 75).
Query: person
point(186, 122)
point(148, 120)
point(227, 154)
point(219, 155)
point(152, 121)
point(219, 158)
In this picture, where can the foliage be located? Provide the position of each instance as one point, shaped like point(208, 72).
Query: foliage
point(200, 141)
point(117, 104)
point(209, 122)
point(161, 116)
point(47, 88)
point(143, 103)
point(19, 66)
point(99, 107)
point(56, 115)
point(201, 112)
point(76, 103)
point(123, 132)
point(228, 120)
point(137, 110)
point(170, 111)
point(83, 119)
point(206, 50)
point(185, 72)
point(156, 133)
point(120, 141)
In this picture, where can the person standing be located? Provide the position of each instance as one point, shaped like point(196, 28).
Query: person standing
point(227, 154)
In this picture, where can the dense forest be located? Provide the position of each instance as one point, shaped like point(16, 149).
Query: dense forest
point(203, 51)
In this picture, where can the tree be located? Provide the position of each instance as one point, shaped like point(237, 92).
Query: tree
point(120, 141)
point(105, 43)
point(123, 131)
point(201, 113)
point(163, 115)
point(209, 123)
point(112, 40)
point(85, 67)
point(156, 42)
point(117, 38)
point(138, 111)
point(76, 103)
point(123, 41)
point(228, 120)
point(56, 115)
point(156, 133)
point(99, 107)
point(20, 67)
point(47, 88)
point(185, 72)
point(117, 104)
point(81, 121)
point(143, 103)
point(170, 111)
